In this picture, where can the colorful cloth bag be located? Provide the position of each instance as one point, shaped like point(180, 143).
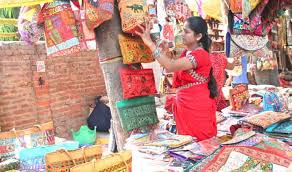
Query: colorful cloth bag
point(247, 44)
point(137, 112)
point(85, 35)
point(132, 14)
point(33, 159)
point(60, 28)
point(97, 12)
point(62, 160)
point(136, 83)
point(178, 9)
point(271, 101)
point(238, 96)
point(236, 6)
point(134, 50)
point(118, 162)
point(266, 62)
point(248, 6)
point(12, 142)
point(28, 29)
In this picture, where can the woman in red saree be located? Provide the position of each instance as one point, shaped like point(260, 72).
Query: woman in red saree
point(194, 105)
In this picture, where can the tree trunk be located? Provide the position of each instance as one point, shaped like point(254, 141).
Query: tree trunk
point(111, 61)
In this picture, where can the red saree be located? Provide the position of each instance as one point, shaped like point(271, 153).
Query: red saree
point(194, 110)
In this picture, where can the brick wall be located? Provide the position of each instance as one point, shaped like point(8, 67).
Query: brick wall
point(67, 87)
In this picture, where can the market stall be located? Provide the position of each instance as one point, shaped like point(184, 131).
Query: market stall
point(253, 123)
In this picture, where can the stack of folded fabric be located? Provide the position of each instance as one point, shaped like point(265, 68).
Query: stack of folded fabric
point(281, 130)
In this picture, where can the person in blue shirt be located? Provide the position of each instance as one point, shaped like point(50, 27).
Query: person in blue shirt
point(241, 79)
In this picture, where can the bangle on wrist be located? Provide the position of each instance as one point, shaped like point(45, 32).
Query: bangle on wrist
point(156, 53)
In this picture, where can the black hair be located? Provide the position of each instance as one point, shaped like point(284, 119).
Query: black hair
point(199, 25)
point(212, 85)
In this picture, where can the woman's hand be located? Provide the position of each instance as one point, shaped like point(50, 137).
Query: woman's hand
point(145, 34)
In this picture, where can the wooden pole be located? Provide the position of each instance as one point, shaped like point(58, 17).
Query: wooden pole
point(111, 61)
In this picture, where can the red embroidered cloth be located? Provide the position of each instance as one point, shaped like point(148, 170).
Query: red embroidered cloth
point(219, 62)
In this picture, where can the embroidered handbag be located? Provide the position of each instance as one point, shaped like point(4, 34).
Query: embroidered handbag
point(132, 14)
point(236, 6)
point(62, 160)
point(12, 142)
point(134, 50)
point(118, 162)
point(97, 12)
point(245, 44)
point(238, 96)
point(246, 26)
point(266, 62)
point(136, 83)
point(271, 101)
point(60, 28)
point(33, 159)
point(248, 6)
point(86, 36)
point(178, 9)
point(28, 29)
point(19, 3)
point(137, 112)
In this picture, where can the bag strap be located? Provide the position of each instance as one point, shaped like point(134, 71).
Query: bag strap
point(124, 161)
point(68, 154)
point(83, 153)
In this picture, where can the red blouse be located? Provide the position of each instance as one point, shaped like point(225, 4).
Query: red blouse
point(200, 73)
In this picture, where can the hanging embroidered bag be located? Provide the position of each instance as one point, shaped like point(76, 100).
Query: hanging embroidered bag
point(266, 61)
point(85, 35)
point(97, 12)
point(178, 9)
point(133, 13)
point(137, 112)
point(236, 6)
point(134, 50)
point(28, 29)
point(136, 83)
point(248, 6)
point(60, 28)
